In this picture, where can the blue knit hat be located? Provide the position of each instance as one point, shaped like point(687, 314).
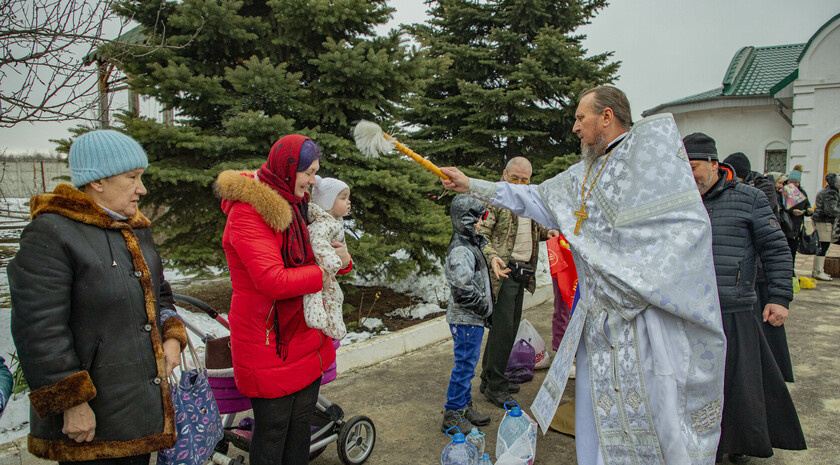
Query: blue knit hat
point(104, 153)
point(795, 175)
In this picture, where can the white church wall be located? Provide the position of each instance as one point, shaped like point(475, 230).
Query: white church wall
point(751, 130)
point(816, 104)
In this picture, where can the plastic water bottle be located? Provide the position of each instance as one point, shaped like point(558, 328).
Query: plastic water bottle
point(485, 460)
point(476, 438)
point(512, 426)
point(459, 451)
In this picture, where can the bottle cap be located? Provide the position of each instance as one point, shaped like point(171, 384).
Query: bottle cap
point(458, 437)
point(514, 411)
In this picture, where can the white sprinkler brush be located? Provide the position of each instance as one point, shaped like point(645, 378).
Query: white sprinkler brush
point(372, 141)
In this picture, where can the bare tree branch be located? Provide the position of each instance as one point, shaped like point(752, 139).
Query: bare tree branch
point(43, 47)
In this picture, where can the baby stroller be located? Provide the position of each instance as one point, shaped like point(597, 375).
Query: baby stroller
point(354, 438)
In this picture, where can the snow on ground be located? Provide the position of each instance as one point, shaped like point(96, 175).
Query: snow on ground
point(430, 288)
point(416, 311)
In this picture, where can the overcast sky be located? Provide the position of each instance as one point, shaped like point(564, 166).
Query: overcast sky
point(669, 49)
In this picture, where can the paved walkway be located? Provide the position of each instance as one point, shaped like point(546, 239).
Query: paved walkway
point(404, 396)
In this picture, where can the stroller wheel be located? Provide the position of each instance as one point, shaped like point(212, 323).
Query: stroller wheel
point(356, 440)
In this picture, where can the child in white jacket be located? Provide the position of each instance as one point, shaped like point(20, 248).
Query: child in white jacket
point(330, 203)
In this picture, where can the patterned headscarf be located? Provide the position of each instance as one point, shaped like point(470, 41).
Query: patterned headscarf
point(280, 172)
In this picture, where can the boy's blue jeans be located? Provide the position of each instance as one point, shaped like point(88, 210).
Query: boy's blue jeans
point(467, 350)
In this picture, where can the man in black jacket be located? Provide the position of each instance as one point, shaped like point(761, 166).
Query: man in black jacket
point(758, 413)
point(775, 334)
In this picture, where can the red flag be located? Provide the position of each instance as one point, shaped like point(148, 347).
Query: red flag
point(562, 267)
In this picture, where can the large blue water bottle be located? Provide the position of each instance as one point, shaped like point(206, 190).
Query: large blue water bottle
point(512, 426)
point(459, 451)
point(485, 460)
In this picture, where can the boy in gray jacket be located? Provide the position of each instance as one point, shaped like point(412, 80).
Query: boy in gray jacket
point(470, 305)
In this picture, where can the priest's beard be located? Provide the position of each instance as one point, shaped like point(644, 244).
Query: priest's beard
point(590, 153)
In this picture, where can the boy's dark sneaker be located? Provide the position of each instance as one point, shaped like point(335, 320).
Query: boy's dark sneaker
point(455, 418)
point(474, 416)
point(499, 399)
point(513, 388)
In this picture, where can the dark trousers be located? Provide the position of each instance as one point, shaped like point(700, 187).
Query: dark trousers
point(282, 427)
point(561, 317)
point(467, 349)
point(133, 460)
point(793, 244)
point(505, 322)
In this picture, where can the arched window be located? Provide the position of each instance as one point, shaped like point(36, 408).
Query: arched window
point(832, 155)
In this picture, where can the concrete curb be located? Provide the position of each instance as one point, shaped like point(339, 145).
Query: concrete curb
point(379, 349)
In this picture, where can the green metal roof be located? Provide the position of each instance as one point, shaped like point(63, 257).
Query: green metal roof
point(131, 36)
point(753, 72)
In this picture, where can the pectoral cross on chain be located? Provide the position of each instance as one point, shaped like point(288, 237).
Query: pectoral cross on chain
point(581, 215)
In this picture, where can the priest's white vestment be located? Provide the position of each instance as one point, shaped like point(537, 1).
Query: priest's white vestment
point(647, 329)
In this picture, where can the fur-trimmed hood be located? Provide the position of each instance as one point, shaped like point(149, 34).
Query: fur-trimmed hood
point(241, 186)
point(67, 201)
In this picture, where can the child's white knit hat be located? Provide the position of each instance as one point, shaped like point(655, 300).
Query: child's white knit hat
point(326, 190)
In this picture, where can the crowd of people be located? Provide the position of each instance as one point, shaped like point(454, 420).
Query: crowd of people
point(676, 364)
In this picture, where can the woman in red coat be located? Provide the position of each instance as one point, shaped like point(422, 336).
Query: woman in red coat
point(277, 359)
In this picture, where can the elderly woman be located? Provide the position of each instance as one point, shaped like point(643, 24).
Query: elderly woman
point(277, 360)
point(826, 214)
point(88, 294)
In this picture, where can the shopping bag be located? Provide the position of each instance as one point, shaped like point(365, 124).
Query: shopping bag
point(528, 333)
point(792, 196)
point(807, 283)
point(795, 285)
point(520, 366)
point(197, 419)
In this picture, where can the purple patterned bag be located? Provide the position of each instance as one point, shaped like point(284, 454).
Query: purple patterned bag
point(197, 419)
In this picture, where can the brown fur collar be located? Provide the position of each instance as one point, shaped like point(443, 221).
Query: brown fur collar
point(72, 203)
point(241, 186)
point(72, 451)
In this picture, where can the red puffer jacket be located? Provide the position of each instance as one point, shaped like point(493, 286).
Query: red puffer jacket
point(253, 243)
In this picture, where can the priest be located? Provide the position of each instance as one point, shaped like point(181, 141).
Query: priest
point(647, 329)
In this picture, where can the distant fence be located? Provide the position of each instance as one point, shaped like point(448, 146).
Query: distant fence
point(23, 179)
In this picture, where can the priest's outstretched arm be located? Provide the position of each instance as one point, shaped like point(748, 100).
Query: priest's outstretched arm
point(523, 200)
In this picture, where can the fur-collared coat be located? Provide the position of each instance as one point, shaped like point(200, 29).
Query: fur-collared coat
point(86, 293)
point(253, 243)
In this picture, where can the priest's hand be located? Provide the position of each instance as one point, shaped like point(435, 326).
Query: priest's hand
point(499, 268)
point(458, 181)
point(775, 314)
point(553, 233)
point(80, 423)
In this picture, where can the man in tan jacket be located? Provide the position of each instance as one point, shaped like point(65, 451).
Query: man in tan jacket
point(512, 255)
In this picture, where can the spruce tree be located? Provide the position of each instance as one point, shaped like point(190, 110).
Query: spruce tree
point(242, 73)
point(514, 70)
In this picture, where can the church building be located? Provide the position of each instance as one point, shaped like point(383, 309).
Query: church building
point(780, 105)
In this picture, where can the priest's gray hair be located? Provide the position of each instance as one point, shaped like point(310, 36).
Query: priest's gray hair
point(611, 97)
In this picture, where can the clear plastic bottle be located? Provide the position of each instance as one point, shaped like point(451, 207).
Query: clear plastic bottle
point(513, 425)
point(459, 451)
point(476, 438)
point(485, 460)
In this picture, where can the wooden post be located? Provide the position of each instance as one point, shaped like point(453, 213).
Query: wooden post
point(133, 102)
point(169, 117)
point(102, 85)
point(43, 179)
